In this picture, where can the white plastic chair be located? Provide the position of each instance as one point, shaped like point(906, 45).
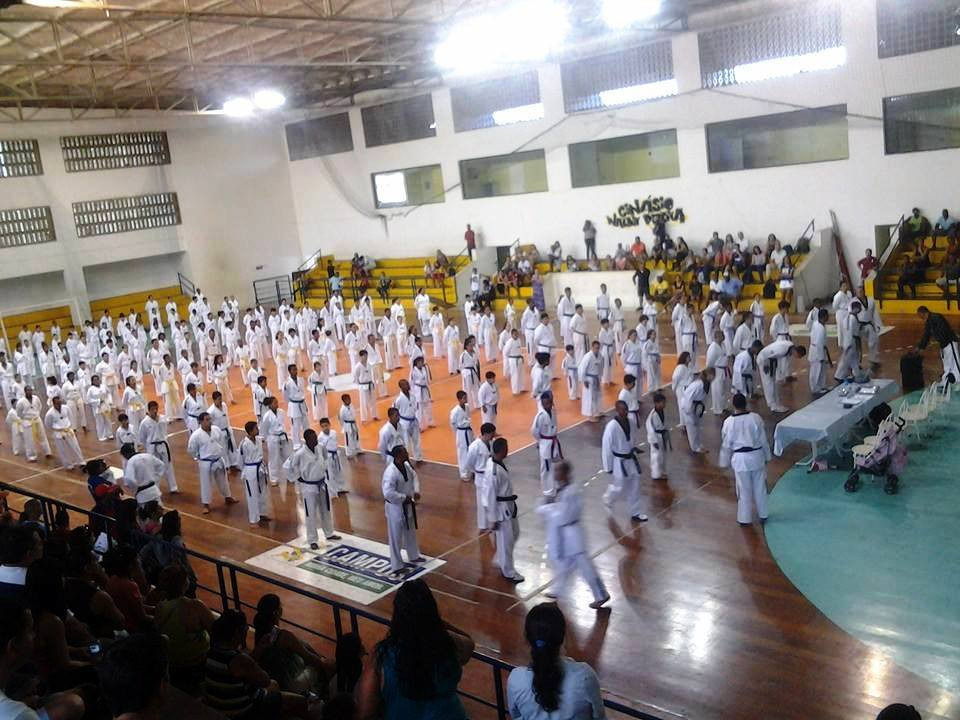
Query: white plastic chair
point(914, 415)
point(868, 443)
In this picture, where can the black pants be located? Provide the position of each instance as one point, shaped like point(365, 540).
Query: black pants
point(591, 248)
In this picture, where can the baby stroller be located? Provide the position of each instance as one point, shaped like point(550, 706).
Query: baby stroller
point(881, 456)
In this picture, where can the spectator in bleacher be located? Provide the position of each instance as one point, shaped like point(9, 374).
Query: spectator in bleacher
point(681, 254)
point(786, 279)
point(777, 254)
point(715, 244)
point(555, 256)
point(428, 273)
point(525, 267)
point(536, 283)
point(186, 623)
point(442, 263)
point(290, 662)
point(16, 650)
point(85, 596)
point(552, 686)
point(867, 264)
point(590, 239)
point(620, 257)
point(133, 676)
point(641, 278)
point(695, 290)
point(911, 273)
point(951, 274)
point(572, 265)
point(946, 226)
point(417, 667)
point(167, 549)
point(470, 238)
point(731, 286)
point(122, 566)
point(660, 288)
point(915, 228)
point(638, 248)
point(236, 685)
point(349, 660)
point(383, 287)
point(743, 243)
point(740, 261)
point(331, 268)
point(20, 547)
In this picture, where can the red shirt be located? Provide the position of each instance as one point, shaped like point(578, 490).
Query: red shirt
point(866, 265)
point(471, 239)
point(126, 596)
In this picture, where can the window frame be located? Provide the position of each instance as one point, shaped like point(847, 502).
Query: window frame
point(387, 206)
point(886, 141)
point(571, 146)
point(463, 183)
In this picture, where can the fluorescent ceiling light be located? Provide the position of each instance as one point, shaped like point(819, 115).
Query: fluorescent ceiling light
point(621, 14)
point(638, 93)
point(791, 65)
point(391, 188)
point(268, 99)
point(63, 3)
point(521, 113)
point(528, 31)
point(238, 107)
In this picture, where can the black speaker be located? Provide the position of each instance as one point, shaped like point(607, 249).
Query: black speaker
point(911, 373)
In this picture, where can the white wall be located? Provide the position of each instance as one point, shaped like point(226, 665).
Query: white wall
point(21, 292)
point(131, 276)
point(866, 190)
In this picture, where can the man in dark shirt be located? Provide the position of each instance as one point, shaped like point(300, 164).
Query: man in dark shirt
point(470, 238)
point(642, 280)
point(935, 326)
point(20, 547)
point(867, 264)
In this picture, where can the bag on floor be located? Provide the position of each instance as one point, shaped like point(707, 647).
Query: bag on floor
point(911, 373)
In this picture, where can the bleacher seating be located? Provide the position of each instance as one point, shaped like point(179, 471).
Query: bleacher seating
point(124, 303)
point(44, 318)
point(928, 292)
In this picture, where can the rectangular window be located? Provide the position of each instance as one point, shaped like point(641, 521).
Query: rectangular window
point(503, 101)
point(916, 26)
point(117, 215)
point(413, 186)
point(319, 136)
point(20, 158)
point(923, 121)
point(399, 121)
point(625, 159)
point(621, 78)
point(26, 226)
point(772, 47)
point(791, 138)
point(113, 151)
point(515, 174)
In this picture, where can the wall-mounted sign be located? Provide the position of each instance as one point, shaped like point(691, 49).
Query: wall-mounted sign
point(652, 211)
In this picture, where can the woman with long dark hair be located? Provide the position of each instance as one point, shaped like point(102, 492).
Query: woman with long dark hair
point(552, 686)
point(417, 667)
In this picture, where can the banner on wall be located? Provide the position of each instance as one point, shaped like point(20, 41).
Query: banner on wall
point(651, 211)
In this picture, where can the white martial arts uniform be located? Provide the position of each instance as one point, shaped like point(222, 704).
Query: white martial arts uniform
point(780, 331)
point(489, 398)
point(135, 406)
point(544, 341)
point(770, 358)
point(191, 411)
point(578, 330)
point(513, 364)
point(658, 438)
point(571, 376)
point(590, 371)
point(101, 405)
point(544, 431)
point(682, 376)
point(363, 377)
point(632, 401)
point(470, 377)
point(399, 487)
point(819, 357)
point(565, 311)
point(619, 455)
point(463, 436)
point(406, 405)
point(152, 435)
point(603, 306)
point(608, 351)
point(744, 374)
point(308, 469)
point(478, 455)
point(296, 408)
point(529, 320)
point(335, 478)
point(389, 437)
point(710, 315)
point(849, 362)
point(318, 396)
point(220, 418)
point(64, 438)
point(351, 433)
point(207, 449)
point(501, 505)
point(451, 338)
point(651, 364)
point(744, 447)
point(718, 359)
point(692, 404)
point(841, 309)
point(870, 326)
point(141, 473)
point(278, 442)
point(631, 355)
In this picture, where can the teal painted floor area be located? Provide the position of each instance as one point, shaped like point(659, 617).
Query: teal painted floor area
point(886, 569)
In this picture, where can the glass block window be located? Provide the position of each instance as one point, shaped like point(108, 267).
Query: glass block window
point(916, 26)
point(117, 215)
point(922, 121)
point(769, 47)
point(503, 101)
point(515, 174)
point(625, 159)
point(413, 186)
point(319, 136)
point(628, 76)
point(399, 121)
point(26, 226)
point(792, 138)
point(82, 153)
point(20, 158)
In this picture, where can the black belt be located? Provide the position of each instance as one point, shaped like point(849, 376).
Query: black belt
point(145, 487)
point(320, 483)
point(511, 512)
point(627, 456)
point(698, 408)
point(746, 449)
point(665, 435)
point(407, 502)
point(165, 445)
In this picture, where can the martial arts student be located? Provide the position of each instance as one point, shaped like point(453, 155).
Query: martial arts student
point(544, 341)
point(171, 391)
point(307, 467)
point(780, 331)
point(195, 377)
point(141, 472)
point(220, 377)
point(206, 445)
point(718, 360)
point(221, 418)
point(651, 360)
point(488, 327)
point(513, 362)
point(692, 405)
point(566, 309)
point(744, 447)
point(278, 443)
point(619, 455)
point(420, 380)
point(489, 398)
point(728, 326)
point(936, 327)
point(759, 317)
point(348, 426)
point(328, 438)
point(841, 309)
point(391, 435)
point(152, 435)
point(98, 398)
point(529, 319)
point(296, 404)
point(745, 370)
point(544, 431)
point(850, 349)
point(477, 456)
point(108, 377)
point(74, 401)
point(682, 376)
point(768, 361)
point(687, 329)
point(436, 333)
point(658, 437)
point(630, 395)
point(566, 540)
point(603, 304)
point(401, 492)
point(813, 314)
point(192, 408)
point(744, 335)
point(318, 392)
point(819, 355)
point(608, 351)
point(571, 374)
point(58, 422)
point(133, 403)
point(617, 319)
point(363, 377)
point(462, 433)
point(406, 406)
point(502, 506)
point(259, 393)
point(124, 433)
point(578, 330)
point(711, 316)
point(870, 325)
point(470, 371)
point(631, 355)
point(590, 371)
point(451, 338)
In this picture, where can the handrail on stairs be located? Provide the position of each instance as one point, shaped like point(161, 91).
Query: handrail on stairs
point(186, 285)
point(310, 263)
point(882, 271)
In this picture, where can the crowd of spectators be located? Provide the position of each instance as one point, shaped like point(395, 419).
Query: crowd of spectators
point(918, 238)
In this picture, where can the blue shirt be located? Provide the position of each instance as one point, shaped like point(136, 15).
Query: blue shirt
point(579, 695)
point(336, 283)
point(731, 286)
point(945, 223)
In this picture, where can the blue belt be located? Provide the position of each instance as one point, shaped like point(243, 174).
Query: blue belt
point(408, 419)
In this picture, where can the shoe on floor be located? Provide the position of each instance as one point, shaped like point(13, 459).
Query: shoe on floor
point(516, 579)
point(314, 546)
point(639, 518)
point(597, 604)
point(333, 537)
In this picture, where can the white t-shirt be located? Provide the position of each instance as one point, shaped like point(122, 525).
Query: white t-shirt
point(579, 695)
point(13, 710)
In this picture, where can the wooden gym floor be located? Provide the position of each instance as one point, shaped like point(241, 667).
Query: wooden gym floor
point(702, 623)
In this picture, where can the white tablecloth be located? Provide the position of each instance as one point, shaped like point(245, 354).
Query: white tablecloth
point(827, 419)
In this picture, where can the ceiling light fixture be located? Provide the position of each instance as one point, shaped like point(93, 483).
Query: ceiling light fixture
point(238, 107)
point(64, 3)
point(791, 65)
point(621, 14)
point(638, 93)
point(268, 99)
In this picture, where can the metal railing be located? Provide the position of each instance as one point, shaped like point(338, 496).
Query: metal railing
point(310, 263)
point(272, 290)
point(228, 593)
point(403, 286)
point(186, 285)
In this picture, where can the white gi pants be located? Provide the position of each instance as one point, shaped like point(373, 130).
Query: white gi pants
point(658, 459)
point(719, 389)
point(315, 500)
point(751, 492)
point(212, 471)
point(297, 424)
point(582, 564)
point(278, 450)
point(161, 451)
point(849, 362)
point(68, 450)
point(335, 480)
point(401, 535)
point(351, 439)
point(34, 439)
point(104, 431)
point(818, 376)
point(507, 532)
point(771, 392)
point(368, 405)
point(411, 437)
point(626, 486)
point(255, 488)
